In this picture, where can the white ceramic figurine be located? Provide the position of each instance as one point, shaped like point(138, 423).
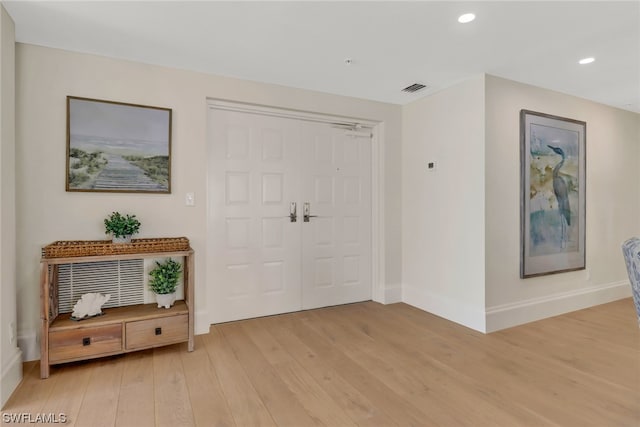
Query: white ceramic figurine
point(89, 305)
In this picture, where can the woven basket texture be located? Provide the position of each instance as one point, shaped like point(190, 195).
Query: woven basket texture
point(78, 248)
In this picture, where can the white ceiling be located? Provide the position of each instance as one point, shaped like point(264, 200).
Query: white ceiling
point(392, 44)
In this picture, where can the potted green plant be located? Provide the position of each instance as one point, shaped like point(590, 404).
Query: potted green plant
point(121, 227)
point(164, 280)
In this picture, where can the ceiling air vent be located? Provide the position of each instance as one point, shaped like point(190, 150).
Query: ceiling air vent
point(414, 88)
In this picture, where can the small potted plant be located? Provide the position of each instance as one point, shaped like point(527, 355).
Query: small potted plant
point(121, 227)
point(164, 280)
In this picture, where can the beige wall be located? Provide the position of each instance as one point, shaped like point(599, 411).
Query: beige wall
point(612, 202)
point(461, 223)
point(10, 355)
point(46, 212)
point(443, 210)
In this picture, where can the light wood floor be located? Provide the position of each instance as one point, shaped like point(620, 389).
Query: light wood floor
point(362, 364)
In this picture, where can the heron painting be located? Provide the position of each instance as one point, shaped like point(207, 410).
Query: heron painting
point(553, 175)
point(562, 197)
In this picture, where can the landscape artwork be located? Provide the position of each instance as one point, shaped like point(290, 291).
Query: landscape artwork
point(552, 194)
point(117, 147)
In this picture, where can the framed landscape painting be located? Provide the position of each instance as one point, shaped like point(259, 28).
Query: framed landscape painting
point(552, 206)
point(117, 147)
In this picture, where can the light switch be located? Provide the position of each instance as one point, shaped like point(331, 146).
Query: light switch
point(190, 199)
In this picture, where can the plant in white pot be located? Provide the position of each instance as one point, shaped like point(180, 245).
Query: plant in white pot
point(164, 280)
point(121, 227)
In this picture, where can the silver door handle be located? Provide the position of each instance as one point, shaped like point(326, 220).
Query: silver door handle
point(306, 212)
point(293, 216)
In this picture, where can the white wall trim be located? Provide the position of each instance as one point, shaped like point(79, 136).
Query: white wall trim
point(445, 307)
point(202, 322)
point(392, 294)
point(11, 376)
point(378, 285)
point(266, 110)
point(378, 260)
point(29, 344)
point(513, 314)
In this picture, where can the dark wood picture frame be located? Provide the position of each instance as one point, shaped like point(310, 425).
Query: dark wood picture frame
point(117, 147)
point(553, 194)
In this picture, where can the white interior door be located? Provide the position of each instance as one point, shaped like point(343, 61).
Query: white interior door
point(254, 248)
point(260, 262)
point(336, 242)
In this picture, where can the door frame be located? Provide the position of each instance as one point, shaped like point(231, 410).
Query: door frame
point(378, 293)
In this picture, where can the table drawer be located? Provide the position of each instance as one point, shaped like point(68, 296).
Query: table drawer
point(74, 344)
point(156, 332)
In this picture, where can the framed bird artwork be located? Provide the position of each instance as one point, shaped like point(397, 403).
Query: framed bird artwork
point(552, 205)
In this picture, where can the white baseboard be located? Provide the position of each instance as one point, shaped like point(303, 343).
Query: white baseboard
point(11, 376)
point(202, 322)
point(445, 307)
point(393, 294)
point(29, 344)
point(513, 314)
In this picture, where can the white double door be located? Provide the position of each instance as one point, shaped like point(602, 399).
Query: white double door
point(265, 257)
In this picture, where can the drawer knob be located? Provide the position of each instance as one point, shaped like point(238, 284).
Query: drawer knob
point(86, 341)
point(158, 331)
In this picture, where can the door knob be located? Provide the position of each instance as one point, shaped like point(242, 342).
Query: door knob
point(306, 212)
point(293, 216)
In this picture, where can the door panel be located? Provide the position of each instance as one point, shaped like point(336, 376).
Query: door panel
point(254, 249)
point(336, 244)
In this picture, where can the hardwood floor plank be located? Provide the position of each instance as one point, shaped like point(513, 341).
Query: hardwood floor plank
point(136, 405)
point(31, 394)
point(302, 384)
point(353, 403)
point(100, 402)
point(208, 403)
point(244, 402)
point(172, 403)
point(424, 384)
point(525, 375)
point(370, 386)
point(68, 393)
point(602, 362)
point(282, 404)
point(361, 348)
point(618, 313)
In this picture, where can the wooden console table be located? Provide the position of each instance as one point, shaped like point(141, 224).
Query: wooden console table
point(120, 329)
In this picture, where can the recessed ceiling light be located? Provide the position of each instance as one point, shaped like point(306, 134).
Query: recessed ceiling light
point(467, 17)
point(586, 60)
